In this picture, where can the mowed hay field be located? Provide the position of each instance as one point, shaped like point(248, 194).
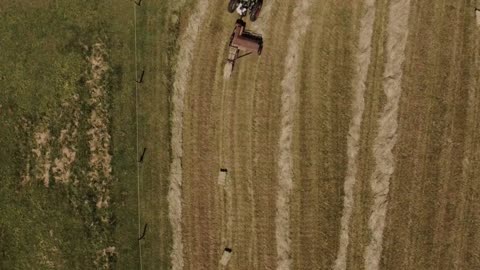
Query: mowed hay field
point(351, 142)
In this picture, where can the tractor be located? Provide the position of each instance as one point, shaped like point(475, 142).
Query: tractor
point(243, 6)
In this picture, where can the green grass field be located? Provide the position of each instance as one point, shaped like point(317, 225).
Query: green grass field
point(43, 65)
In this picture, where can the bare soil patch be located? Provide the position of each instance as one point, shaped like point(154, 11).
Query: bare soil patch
point(99, 175)
point(62, 166)
point(42, 152)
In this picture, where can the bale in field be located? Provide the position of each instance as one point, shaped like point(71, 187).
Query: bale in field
point(477, 14)
point(226, 256)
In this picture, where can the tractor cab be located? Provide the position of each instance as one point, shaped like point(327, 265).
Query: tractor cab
point(243, 7)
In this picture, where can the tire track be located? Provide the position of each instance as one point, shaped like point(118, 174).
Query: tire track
point(285, 161)
point(362, 64)
point(265, 134)
point(204, 201)
point(397, 29)
point(242, 213)
point(241, 122)
point(468, 160)
point(183, 68)
point(256, 102)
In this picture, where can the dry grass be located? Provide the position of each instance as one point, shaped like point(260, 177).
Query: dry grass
point(429, 193)
point(100, 174)
point(237, 124)
point(362, 64)
point(397, 34)
point(47, 164)
point(285, 162)
point(62, 166)
point(187, 45)
point(105, 257)
point(42, 152)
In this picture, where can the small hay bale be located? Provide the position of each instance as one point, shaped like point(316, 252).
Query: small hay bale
point(222, 177)
point(227, 254)
point(477, 15)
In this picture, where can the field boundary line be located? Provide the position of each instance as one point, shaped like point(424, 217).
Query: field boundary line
point(397, 34)
point(285, 160)
point(362, 64)
point(137, 144)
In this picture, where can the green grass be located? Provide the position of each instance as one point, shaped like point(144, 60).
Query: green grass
point(42, 64)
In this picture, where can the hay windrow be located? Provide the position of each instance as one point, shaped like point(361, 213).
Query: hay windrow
point(397, 33)
point(362, 63)
point(183, 68)
point(285, 161)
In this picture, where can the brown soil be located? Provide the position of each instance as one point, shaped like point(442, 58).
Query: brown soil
point(42, 156)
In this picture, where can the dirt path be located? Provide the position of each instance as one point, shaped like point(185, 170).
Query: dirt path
point(187, 45)
point(285, 163)
point(397, 29)
point(362, 64)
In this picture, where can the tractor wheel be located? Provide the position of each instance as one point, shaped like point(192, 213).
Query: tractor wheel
point(232, 5)
point(255, 12)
